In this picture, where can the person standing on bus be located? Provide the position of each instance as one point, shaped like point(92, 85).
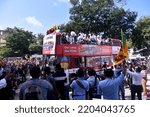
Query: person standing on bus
point(99, 39)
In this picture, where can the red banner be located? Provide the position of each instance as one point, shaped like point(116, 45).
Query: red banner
point(84, 50)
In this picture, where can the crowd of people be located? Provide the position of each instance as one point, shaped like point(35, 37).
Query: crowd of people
point(85, 84)
point(82, 38)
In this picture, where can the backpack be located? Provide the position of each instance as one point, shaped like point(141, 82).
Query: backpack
point(33, 92)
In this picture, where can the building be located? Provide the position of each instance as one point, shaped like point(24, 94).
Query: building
point(2, 36)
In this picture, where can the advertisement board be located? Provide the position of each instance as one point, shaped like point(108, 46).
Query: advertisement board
point(86, 50)
point(49, 43)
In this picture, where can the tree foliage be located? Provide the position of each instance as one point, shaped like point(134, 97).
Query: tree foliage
point(39, 39)
point(95, 16)
point(20, 42)
point(36, 46)
point(141, 33)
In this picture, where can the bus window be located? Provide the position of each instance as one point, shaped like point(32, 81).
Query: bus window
point(78, 62)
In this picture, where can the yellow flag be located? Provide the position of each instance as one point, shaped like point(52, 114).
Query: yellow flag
point(125, 51)
point(120, 57)
point(124, 45)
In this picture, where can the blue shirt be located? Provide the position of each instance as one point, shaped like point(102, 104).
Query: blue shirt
point(3, 83)
point(117, 72)
point(109, 88)
point(44, 84)
point(78, 92)
point(91, 80)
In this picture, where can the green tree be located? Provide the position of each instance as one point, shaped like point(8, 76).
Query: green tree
point(39, 39)
point(17, 42)
point(95, 16)
point(4, 52)
point(36, 46)
point(141, 33)
point(20, 42)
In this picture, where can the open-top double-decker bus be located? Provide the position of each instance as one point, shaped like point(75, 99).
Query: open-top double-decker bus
point(77, 55)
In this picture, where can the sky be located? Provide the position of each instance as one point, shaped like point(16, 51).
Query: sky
point(38, 16)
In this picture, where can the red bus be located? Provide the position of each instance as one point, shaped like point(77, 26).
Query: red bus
point(80, 55)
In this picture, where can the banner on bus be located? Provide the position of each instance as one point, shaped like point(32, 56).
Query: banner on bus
point(49, 43)
point(85, 50)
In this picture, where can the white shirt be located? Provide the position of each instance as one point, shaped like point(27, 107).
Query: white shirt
point(136, 77)
point(3, 83)
point(144, 73)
